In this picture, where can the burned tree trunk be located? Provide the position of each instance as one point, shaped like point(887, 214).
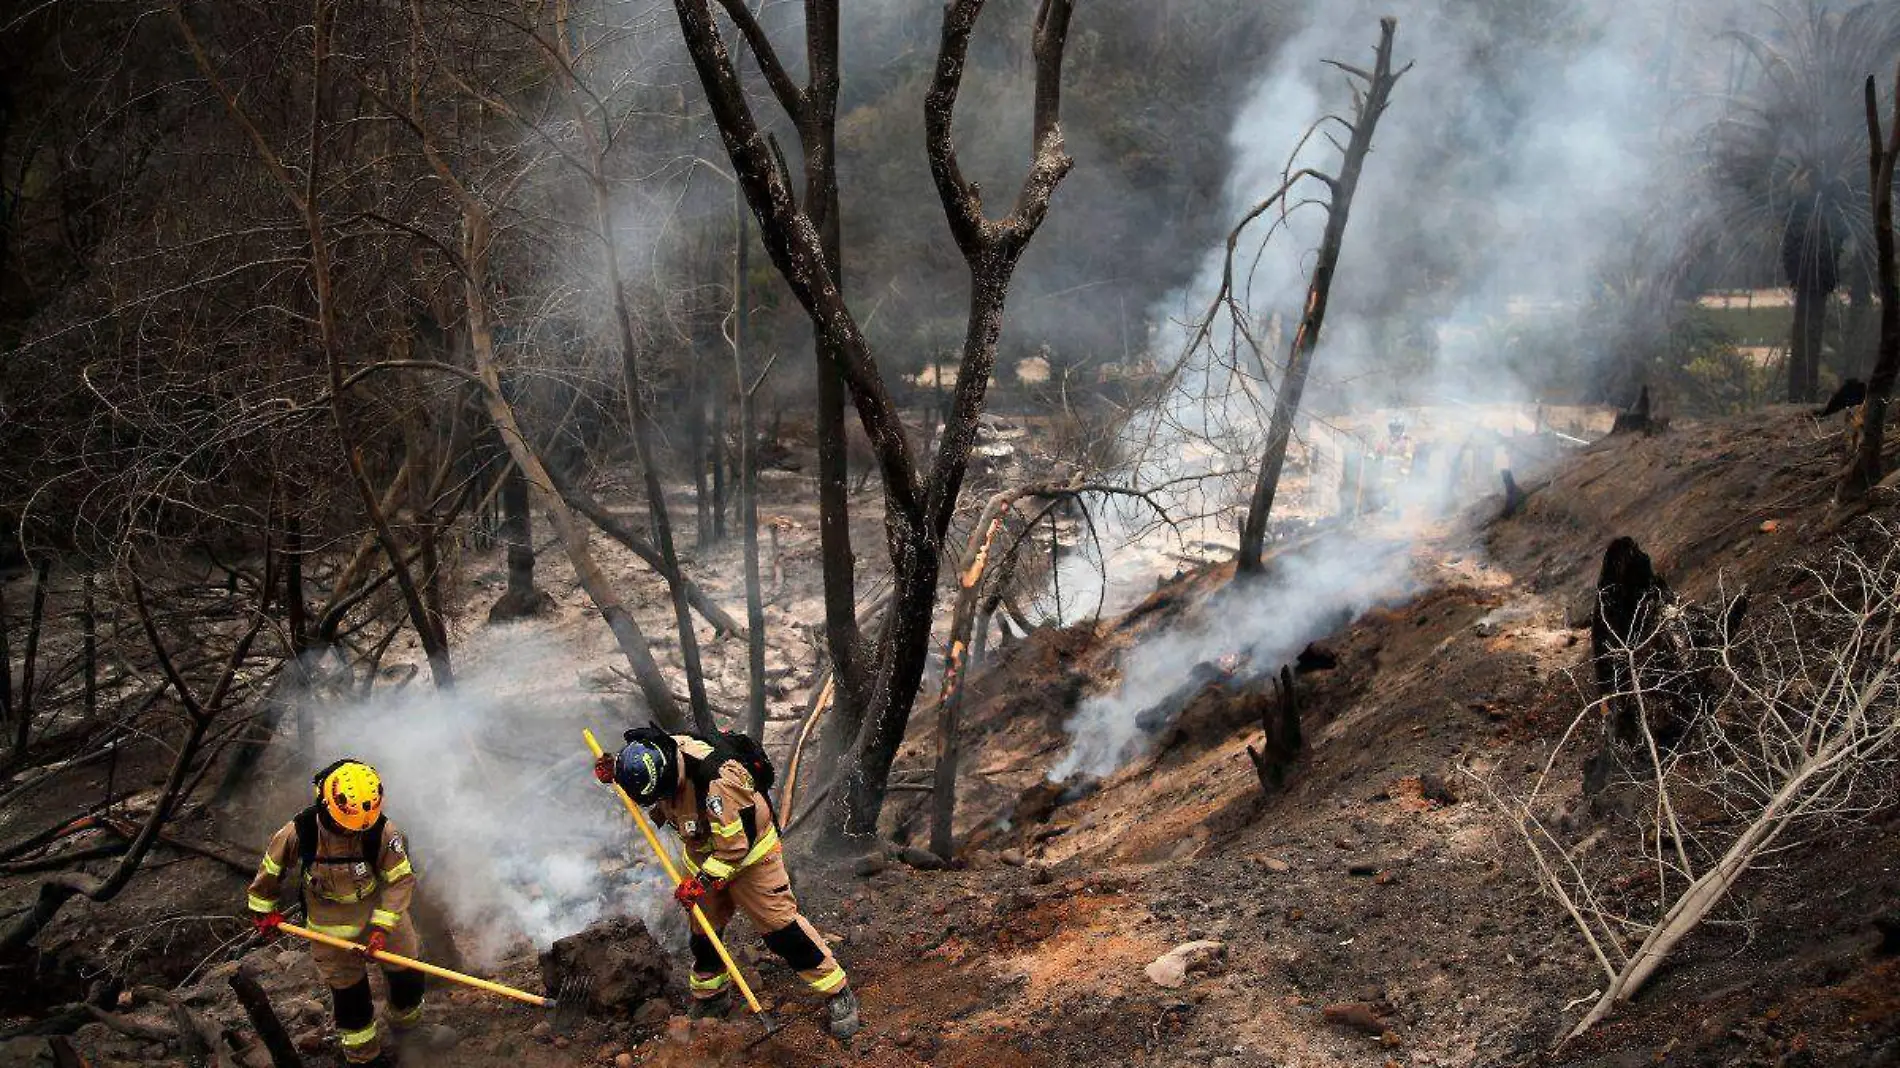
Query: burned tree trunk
point(748, 476)
point(6, 661)
point(1864, 469)
point(1280, 736)
point(1628, 588)
point(717, 456)
point(1636, 418)
point(522, 599)
point(698, 449)
point(1286, 402)
point(633, 644)
point(29, 660)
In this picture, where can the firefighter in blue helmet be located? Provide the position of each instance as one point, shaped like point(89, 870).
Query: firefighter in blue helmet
point(709, 793)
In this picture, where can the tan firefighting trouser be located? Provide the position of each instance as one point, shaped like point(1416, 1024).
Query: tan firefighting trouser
point(346, 972)
point(763, 891)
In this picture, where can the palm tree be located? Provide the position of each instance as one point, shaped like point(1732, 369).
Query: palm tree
point(1790, 155)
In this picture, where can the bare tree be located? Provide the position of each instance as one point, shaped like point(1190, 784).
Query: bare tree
point(918, 506)
point(305, 198)
point(984, 564)
point(1369, 103)
point(597, 130)
point(1864, 468)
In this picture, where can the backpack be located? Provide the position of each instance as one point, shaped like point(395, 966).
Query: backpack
point(726, 745)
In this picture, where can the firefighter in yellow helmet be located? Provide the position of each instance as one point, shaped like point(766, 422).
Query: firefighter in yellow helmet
point(357, 881)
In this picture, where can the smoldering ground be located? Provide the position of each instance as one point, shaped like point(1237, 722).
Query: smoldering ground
point(1524, 151)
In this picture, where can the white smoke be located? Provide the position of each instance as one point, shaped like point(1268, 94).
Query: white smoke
point(1312, 589)
point(1516, 159)
point(493, 785)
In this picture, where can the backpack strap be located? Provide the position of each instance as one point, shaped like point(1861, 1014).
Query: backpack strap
point(373, 844)
point(306, 824)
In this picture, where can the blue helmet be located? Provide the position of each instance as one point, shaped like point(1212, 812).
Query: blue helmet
point(644, 772)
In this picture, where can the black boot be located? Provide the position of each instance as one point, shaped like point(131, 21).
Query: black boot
point(844, 1015)
point(715, 1007)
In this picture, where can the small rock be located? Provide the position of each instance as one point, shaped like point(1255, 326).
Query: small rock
point(1389, 1039)
point(870, 864)
point(310, 1042)
point(624, 1060)
point(905, 1038)
point(1356, 1015)
point(921, 859)
point(679, 1030)
point(1433, 788)
point(1170, 970)
point(562, 1041)
point(541, 1032)
point(1041, 875)
point(1012, 857)
point(256, 1057)
point(126, 1000)
point(1384, 878)
point(1275, 865)
point(653, 1013)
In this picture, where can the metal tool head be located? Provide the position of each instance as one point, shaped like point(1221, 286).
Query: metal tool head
point(771, 1026)
point(570, 1003)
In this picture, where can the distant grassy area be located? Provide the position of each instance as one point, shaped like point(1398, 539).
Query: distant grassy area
point(1754, 326)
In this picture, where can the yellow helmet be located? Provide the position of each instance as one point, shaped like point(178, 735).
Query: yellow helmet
point(352, 794)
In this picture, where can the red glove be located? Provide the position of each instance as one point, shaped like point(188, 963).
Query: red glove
point(604, 768)
point(266, 925)
point(375, 943)
point(693, 890)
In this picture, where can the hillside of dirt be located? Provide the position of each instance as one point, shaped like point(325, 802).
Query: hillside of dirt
point(1374, 909)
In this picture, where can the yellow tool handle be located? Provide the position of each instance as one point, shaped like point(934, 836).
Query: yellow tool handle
point(672, 873)
point(424, 967)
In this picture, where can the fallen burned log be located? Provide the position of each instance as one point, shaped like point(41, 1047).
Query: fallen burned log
point(270, 1028)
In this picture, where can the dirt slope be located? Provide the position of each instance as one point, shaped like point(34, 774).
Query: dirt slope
point(1362, 923)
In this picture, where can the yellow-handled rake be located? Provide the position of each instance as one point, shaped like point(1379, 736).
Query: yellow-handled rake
point(765, 1017)
point(569, 1004)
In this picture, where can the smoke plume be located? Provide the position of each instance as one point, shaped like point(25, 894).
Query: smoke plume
point(1533, 150)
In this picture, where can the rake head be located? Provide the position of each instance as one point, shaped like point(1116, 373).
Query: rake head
point(570, 1002)
point(771, 1026)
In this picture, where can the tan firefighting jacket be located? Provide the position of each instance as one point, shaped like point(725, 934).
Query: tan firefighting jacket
point(343, 893)
point(728, 830)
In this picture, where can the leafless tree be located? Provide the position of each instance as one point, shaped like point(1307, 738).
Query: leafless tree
point(1370, 96)
point(1865, 466)
point(801, 242)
